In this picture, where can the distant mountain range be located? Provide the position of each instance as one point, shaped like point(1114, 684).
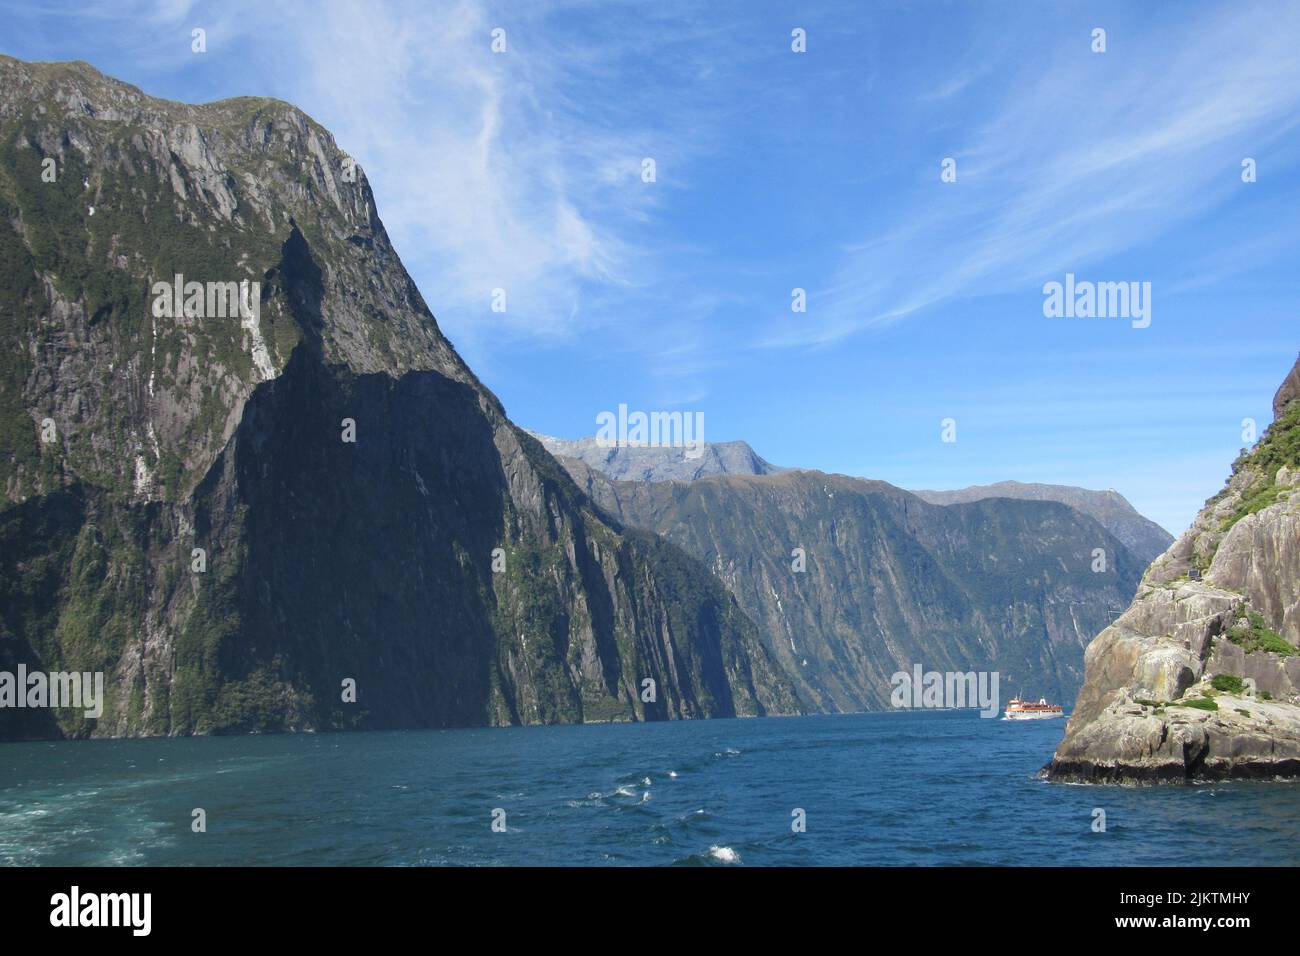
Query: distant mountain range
point(1141, 535)
point(888, 579)
point(1144, 537)
point(630, 463)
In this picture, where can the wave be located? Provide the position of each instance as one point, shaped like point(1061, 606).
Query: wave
point(724, 854)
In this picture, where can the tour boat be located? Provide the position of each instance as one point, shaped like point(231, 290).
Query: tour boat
point(1018, 709)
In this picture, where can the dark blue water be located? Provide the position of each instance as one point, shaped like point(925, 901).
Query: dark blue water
point(911, 788)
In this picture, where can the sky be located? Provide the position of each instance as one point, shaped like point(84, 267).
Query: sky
point(822, 170)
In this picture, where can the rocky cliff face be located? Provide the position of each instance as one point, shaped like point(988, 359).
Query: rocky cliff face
point(1142, 536)
point(233, 511)
point(883, 580)
point(1287, 392)
point(1200, 677)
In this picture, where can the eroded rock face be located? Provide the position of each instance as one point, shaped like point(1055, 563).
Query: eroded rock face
point(1130, 743)
point(1260, 558)
point(1223, 602)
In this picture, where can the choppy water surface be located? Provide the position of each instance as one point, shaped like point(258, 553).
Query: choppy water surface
point(909, 788)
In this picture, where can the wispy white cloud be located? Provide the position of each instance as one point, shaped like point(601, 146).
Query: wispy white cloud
point(1054, 179)
point(518, 170)
point(486, 177)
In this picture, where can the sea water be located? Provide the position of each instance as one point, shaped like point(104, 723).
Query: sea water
point(905, 788)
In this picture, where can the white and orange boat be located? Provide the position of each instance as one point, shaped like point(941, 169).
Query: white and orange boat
point(1018, 709)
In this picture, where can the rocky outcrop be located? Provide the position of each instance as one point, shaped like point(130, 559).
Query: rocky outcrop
point(1200, 677)
point(851, 581)
point(1141, 535)
point(238, 515)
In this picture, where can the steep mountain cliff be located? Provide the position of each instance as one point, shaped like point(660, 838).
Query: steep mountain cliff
point(666, 463)
point(889, 580)
point(237, 498)
point(1200, 677)
point(1142, 536)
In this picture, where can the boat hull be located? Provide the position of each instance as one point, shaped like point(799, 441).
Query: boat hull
point(1032, 714)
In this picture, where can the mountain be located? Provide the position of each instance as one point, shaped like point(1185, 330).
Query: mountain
point(1142, 536)
point(890, 580)
point(663, 463)
point(237, 497)
point(1168, 692)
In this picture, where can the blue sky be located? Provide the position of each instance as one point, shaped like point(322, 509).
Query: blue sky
point(819, 170)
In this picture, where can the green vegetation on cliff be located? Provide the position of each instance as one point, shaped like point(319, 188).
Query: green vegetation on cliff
point(1279, 447)
point(1253, 634)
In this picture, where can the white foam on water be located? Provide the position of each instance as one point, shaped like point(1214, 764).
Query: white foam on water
point(724, 854)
